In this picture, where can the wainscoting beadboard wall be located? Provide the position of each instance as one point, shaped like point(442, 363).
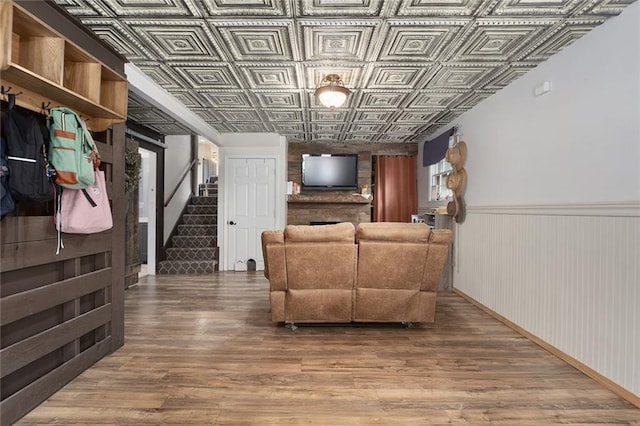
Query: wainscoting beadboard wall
point(568, 274)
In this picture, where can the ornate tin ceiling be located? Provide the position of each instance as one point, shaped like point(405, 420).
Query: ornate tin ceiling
point(412, 65)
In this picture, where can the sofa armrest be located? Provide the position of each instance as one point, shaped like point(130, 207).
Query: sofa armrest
point(270, 237)
point(441, 236)
point(437, 255)
point(277, 267)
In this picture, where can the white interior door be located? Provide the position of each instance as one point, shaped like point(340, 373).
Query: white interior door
point(251, 208)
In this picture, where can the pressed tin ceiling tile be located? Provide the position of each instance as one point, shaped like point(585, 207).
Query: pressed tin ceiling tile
point(80, 8)
point(204, 75)
point(246, 7)
point(345, 40)
point(289, 127)
point(342, 7)
point(249, 115)
point(278, 99)
point(365, 128)
point(411, 65)
point(276, 76)
point(283, 116)
point(257, 40)
point(249, 127)
point(147, 7)
point(187, 40)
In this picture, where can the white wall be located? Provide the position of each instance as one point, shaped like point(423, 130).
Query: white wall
point(551, 239)
point(577, 143)
point(250, 145)
point(176, 159)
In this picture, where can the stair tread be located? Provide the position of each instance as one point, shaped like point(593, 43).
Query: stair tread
point(204, 201)
point(207, 254)
point(194, 247)
point(187, 266)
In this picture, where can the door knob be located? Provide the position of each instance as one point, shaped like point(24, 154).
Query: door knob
point(231, 222)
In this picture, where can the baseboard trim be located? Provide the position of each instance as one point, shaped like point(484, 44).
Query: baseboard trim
point(613, 387)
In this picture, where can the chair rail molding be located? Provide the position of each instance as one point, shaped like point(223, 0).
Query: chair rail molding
point(616, 209)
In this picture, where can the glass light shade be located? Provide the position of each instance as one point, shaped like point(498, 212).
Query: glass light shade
point(332, 96)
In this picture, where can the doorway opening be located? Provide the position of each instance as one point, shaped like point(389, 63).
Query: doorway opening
point(147, 193)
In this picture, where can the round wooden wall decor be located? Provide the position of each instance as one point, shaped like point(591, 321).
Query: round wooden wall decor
point(456, 155)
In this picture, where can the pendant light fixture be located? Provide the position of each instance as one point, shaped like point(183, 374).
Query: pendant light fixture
point(332, 94)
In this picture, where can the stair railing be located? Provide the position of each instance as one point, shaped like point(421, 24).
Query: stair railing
point(184, 175)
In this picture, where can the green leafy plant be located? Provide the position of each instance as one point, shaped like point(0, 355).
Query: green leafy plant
point(132, 161)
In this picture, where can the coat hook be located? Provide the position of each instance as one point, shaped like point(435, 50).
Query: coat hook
point(5, 91)
point(47, 106)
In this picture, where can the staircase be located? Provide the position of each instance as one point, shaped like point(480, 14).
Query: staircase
point(194, 250)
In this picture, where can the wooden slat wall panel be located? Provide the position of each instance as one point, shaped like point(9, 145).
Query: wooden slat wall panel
point(24, 400)
point(27, 303)
point(567, 275)
point(33, 253)
point(29, 350)
point(26, 228)
point(106, 152)
point(32, 325)
point(58, 312)
point(16, 281)
point(22, 229)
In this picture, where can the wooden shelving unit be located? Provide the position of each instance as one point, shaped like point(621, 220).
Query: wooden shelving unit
point(51, 71)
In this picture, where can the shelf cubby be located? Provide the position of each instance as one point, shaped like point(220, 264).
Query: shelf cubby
point(50, 70)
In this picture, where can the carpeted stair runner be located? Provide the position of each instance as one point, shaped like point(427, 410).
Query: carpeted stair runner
point(194, 250)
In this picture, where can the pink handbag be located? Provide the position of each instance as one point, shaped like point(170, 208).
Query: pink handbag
point(85, 211)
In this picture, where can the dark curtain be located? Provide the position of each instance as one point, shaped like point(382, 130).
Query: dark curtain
point(435, 150)
point(396, 195)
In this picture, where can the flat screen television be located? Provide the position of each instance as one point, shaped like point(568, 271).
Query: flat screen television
point(330, 171)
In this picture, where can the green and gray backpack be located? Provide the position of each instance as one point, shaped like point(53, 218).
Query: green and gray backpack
point(72, 151)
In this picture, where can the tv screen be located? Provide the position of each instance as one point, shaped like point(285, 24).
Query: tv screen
point(329, 171)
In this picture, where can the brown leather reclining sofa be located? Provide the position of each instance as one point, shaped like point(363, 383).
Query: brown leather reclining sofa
point(384, 272)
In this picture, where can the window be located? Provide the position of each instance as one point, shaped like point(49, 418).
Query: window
point(438, 173)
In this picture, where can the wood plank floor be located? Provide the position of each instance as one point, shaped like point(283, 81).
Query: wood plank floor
point(201, 350)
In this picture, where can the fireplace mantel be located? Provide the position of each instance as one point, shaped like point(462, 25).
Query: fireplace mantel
point(329, 198)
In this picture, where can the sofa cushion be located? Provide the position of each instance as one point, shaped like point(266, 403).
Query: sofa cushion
point(391, 265)
point(393, 231)
point(320, 265)
point(326, 305)
point(380, 305)
point(340, 232)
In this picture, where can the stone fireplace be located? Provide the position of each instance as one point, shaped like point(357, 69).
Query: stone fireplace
point(314, 209)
